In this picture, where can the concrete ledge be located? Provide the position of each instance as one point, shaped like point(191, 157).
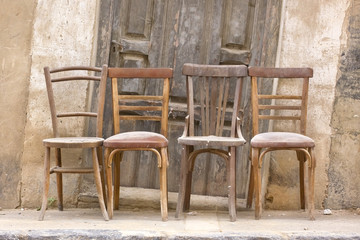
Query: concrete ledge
point(143, 235)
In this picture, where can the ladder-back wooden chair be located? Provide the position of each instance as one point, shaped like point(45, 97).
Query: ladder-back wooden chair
point(286, 107)
point(213, 100)
point(73, 75)
point(138, 107)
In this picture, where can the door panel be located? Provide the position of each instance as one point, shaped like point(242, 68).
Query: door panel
point(161, 33)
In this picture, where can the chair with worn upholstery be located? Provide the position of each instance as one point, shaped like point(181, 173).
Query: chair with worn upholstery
point(72, 76)
point(128, 106)
point(284, 107)
point(213, 100)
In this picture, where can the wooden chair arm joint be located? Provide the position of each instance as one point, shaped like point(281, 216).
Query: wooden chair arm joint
point(186, 127)
point(238, 128)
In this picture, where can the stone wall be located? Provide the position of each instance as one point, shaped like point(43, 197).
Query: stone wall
point(344, 166)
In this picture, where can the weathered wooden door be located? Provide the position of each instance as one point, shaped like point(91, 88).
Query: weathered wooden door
point(164, 33)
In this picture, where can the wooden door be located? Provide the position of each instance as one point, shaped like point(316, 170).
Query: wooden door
point(162, 33)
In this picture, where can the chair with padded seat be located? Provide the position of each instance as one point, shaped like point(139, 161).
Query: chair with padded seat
point(135, 107)
point(213, 102)
point(62, 141)
point(283, 107)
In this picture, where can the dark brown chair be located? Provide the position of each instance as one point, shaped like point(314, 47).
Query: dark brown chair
point(135, 107)
point(59, 142)
point(213, 100)
point(286, 107)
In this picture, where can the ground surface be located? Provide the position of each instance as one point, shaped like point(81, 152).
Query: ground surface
point(134, 222)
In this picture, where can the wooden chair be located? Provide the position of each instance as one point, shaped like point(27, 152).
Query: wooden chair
point(286, 107)
point(127, 106)
point(58, 142)
point(210, 89)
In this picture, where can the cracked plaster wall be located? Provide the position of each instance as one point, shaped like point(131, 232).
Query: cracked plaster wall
point(63, 34)
point(16, 19)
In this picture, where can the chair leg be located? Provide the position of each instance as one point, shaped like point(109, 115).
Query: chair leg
point(257, 181)
point(46, 183)
point(102, 172)
point(232, 184)
point(251, 188)
point(250, 195)
point(183, 181)
point(98, 184)
point(301, 158)
point(311, 189)
point(59, 182)
point(108, 173)
point(117, 161)
point(163, 185)
point(187, 199)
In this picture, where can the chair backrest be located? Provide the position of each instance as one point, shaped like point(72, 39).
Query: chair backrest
point(278, 106)
point(74, 74)
point(213, 97)
point(140, 106)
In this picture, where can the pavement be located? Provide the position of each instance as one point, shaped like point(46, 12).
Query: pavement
point(208, 219)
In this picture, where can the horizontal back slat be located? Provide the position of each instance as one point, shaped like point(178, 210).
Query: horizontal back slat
point(140, 73)
point(77, 114)
point(62, 79)
point(140, 97)
point(135, 117)
point(140, 108)
point(280, 97)
point(270, 117)
point(214, 70)
point(279, 107)
point(72, 68)
point(280, 72)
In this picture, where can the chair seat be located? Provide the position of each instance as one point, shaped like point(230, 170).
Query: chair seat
point(281, 140)
point(211, 141)
point(73, 142)
point(136, 139)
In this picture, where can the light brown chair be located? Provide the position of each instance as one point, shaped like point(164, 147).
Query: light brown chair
point(286, 107)
point(143, 107)
point(213, 100)
point(59, 142)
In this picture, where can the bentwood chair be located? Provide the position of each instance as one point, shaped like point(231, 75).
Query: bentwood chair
point(140, 106)
point(285, 107)
point(213, 101)
point(72, 76)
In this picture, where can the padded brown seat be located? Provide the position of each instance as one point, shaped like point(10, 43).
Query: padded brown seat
point(136, 139)
point(281, 139)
